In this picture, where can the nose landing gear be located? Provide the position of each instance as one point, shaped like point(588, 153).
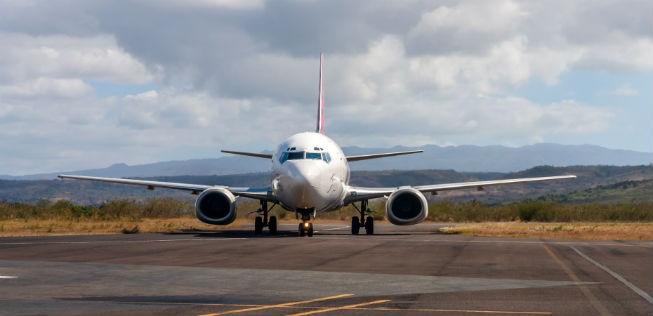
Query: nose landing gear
point(305, 227)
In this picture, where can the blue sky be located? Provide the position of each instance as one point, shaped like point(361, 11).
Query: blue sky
point(628, 96)
point(81, 88)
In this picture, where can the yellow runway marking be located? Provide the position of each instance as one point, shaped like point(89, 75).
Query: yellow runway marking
point(358, 307)
point(278, 305)
point(330, 309)
point(592, 299)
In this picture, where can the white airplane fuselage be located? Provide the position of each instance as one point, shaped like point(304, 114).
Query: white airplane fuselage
point(309, 173)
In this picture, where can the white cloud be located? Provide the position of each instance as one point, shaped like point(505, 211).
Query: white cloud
point(244, 74)
point(438, 120)
point(625, 91)
point(468, 27)
point(26, 57)
point(213, 4)
point(505, 64)
point(46, 87)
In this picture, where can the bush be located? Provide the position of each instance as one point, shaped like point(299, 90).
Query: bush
point(440, 211)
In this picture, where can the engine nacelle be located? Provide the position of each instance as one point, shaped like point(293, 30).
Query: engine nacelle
point(216, 206)
point(406, 206)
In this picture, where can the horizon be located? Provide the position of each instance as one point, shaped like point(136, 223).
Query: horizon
point(345, 148)
point(80, 88)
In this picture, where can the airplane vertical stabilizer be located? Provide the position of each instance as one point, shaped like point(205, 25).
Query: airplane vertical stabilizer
point(320, 103)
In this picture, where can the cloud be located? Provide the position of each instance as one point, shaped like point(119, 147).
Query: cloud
point(215, 4)
point(468, 27)
point(439, 120)
point(46, 87)
point(625, 91)
point(25, 57)
point(244, 74)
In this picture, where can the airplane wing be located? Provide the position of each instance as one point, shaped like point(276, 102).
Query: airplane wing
point(349, 158)
point(362, 193)
point(244, 153)
point(374, 156)
point(259, 193)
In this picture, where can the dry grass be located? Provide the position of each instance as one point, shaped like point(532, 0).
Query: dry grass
point(35, 227)
point(591, 231)
point(55, 227)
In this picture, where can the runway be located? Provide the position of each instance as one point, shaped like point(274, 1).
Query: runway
point(399, 271)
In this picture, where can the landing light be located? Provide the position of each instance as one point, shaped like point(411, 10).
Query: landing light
point(306, 224)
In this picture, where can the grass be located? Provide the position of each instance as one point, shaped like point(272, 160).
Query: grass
point(53, 227)
point(534, 219)
point(588, 231)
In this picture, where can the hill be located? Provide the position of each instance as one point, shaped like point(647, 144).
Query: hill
point(620, 192)
point(589, 178)
point(462, 158)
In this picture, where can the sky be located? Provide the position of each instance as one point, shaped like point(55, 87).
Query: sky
point(86, 84)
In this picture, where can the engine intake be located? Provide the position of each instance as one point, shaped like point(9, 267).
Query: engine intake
point(406, 206)
point(216, 206)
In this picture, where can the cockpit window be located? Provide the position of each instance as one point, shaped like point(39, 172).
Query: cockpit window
point(283, 157)
point(316, 156)
point(296, 155)
point(326, 157)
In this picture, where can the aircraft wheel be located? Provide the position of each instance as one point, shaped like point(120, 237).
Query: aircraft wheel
point(355, 225)
point(302, 232)
point(309, 231)
point(258, 225)
point(369, 225)
point(272, 225)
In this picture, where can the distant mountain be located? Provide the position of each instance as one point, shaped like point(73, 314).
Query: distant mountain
point(503, 159)
point(459, 158)
point(594, 183)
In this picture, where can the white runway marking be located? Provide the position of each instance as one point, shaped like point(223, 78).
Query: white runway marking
point(616, 276)
point(337, 228)
point(8, 277)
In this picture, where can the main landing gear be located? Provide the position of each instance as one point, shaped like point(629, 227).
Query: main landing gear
point(305, 227)
point(357, 223)
point(261, 222)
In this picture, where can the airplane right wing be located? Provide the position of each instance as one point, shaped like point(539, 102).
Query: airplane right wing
point(259, 193)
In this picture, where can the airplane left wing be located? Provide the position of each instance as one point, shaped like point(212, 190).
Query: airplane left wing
point(362, 193)
point(244, 153)
point(259, 193)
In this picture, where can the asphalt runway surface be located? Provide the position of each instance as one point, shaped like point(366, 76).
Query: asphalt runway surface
point(399, 271)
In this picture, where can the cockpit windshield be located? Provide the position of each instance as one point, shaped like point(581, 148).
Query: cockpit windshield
point(296, 155)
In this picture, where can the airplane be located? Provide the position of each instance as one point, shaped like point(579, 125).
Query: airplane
point(310, 175)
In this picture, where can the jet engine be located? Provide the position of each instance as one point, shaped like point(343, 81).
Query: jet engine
point(216, 206)
point(406, 206)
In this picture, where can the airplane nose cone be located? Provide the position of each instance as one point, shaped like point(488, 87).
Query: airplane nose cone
point(305, 183)
point(302, 171)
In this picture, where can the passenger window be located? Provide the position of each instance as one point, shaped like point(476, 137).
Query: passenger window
point(316, 156)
